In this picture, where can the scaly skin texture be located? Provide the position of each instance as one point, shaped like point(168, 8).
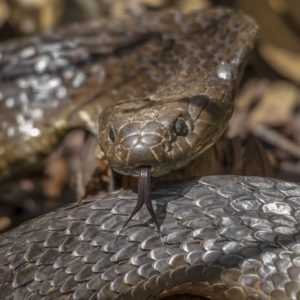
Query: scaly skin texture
point(226, 237)
point(62, 80)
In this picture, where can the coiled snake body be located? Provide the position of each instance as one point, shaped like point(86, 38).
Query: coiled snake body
point(224, 237)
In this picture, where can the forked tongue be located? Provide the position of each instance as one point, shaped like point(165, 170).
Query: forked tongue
point(144, 190)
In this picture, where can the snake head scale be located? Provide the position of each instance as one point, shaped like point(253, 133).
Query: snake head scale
point(161, 135)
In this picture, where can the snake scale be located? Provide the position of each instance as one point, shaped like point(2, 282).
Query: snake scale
point(224, 237)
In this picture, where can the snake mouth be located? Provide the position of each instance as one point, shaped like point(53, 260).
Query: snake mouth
point(135, 170)
point(144, 197)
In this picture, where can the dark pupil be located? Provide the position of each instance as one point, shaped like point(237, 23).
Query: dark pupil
point(111, 133)
point(181, 127)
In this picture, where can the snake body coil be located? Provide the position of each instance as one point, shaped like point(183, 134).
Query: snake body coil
point(225, 237)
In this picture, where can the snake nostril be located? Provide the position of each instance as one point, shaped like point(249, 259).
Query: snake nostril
point(166, 146)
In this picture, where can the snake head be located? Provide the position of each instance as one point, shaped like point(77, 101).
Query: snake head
point(163, 135)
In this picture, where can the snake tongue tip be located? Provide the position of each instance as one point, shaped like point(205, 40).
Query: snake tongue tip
point(144, 190)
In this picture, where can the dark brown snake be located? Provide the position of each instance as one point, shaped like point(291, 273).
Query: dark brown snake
point(224, 237)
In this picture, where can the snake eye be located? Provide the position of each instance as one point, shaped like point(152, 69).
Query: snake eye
point(181, 128)
point(111, 133)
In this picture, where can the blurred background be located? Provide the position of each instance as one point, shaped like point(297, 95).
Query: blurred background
point(266, 121)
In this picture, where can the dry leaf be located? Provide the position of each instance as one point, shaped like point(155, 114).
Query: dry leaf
point(276, 106)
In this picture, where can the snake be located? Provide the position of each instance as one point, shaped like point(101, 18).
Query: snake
point(164, 85)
